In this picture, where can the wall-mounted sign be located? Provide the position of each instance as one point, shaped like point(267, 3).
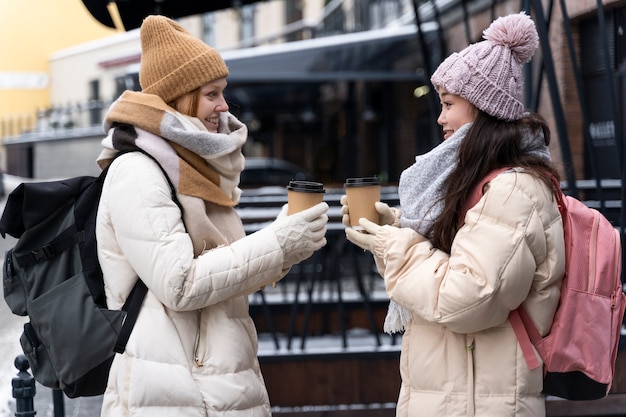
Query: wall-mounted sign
point(602, 133)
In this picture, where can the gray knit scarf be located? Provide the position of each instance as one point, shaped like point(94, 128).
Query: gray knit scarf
point(421, 190)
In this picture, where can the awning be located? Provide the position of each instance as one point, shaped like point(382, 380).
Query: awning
point(132, 12)
point(390, 54)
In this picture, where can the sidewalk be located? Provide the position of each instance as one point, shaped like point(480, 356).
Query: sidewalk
point(74, 407)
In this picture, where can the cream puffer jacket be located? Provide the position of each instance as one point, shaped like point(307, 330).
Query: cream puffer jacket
point(460, 356)
point(193, 350)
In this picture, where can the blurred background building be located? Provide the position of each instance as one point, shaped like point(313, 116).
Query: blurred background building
point(340, 88)
point(30, 32)
point(325, 85)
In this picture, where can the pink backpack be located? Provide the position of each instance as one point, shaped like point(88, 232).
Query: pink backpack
point(580, 349)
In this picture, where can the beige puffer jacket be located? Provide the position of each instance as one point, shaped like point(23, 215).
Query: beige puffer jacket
point(193, 350)
point(460, 356)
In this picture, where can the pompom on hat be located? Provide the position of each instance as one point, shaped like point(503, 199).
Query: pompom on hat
point(488, 74)
point(174, 62)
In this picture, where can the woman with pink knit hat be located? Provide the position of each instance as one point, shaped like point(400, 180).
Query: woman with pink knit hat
point(193, 349)
point(454, 273)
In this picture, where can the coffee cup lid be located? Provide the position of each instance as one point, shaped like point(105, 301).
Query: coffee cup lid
point(306, 186)
point(362, 181)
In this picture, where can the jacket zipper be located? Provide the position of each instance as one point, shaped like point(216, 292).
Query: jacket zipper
point(196, 346)
point(469, 348)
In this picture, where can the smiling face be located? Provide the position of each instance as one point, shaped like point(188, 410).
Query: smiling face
point(205, 103)
point(455, 112)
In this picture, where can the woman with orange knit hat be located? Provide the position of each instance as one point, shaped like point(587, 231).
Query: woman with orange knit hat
point(193, 349)
point(454, 273)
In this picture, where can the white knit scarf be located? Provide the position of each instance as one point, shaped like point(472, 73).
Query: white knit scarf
point(203, 166)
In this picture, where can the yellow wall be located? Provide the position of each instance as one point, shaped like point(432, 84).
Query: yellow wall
point(30, 31)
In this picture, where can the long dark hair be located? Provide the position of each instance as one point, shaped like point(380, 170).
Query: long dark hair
point(489, 144)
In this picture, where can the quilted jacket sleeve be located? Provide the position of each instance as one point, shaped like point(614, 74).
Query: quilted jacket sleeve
point(511, 244)
point(151, 239)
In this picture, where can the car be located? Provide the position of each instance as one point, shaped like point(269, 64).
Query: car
point(261, 172)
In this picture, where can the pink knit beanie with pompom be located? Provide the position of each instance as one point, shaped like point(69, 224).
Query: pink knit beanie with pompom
point(488, 74)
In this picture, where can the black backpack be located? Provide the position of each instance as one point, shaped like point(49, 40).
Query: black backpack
point(53, 276)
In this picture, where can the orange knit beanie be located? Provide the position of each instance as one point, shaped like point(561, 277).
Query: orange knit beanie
point(173, 62)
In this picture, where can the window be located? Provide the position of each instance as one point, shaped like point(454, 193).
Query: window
point(247, 22)
point(208, 30)
point(126, 82)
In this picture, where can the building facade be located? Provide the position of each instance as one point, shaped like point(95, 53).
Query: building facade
point(342, 88)
point(30, 32)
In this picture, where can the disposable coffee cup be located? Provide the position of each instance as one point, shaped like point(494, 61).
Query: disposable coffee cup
point(302, 195)
point(362, 193)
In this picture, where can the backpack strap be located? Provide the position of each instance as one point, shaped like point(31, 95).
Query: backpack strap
point(477, 193)
point(527, 335)
point(66, 239)
point(167, 177)
point(133, 303)
point(523, 326)
point(132, 307)
point(560, 199)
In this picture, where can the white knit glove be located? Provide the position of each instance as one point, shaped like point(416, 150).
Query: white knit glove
point(388, 215)
point(301, 234)
point(365, 239)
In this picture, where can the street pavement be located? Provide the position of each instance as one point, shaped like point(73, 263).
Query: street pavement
point(47, 406)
